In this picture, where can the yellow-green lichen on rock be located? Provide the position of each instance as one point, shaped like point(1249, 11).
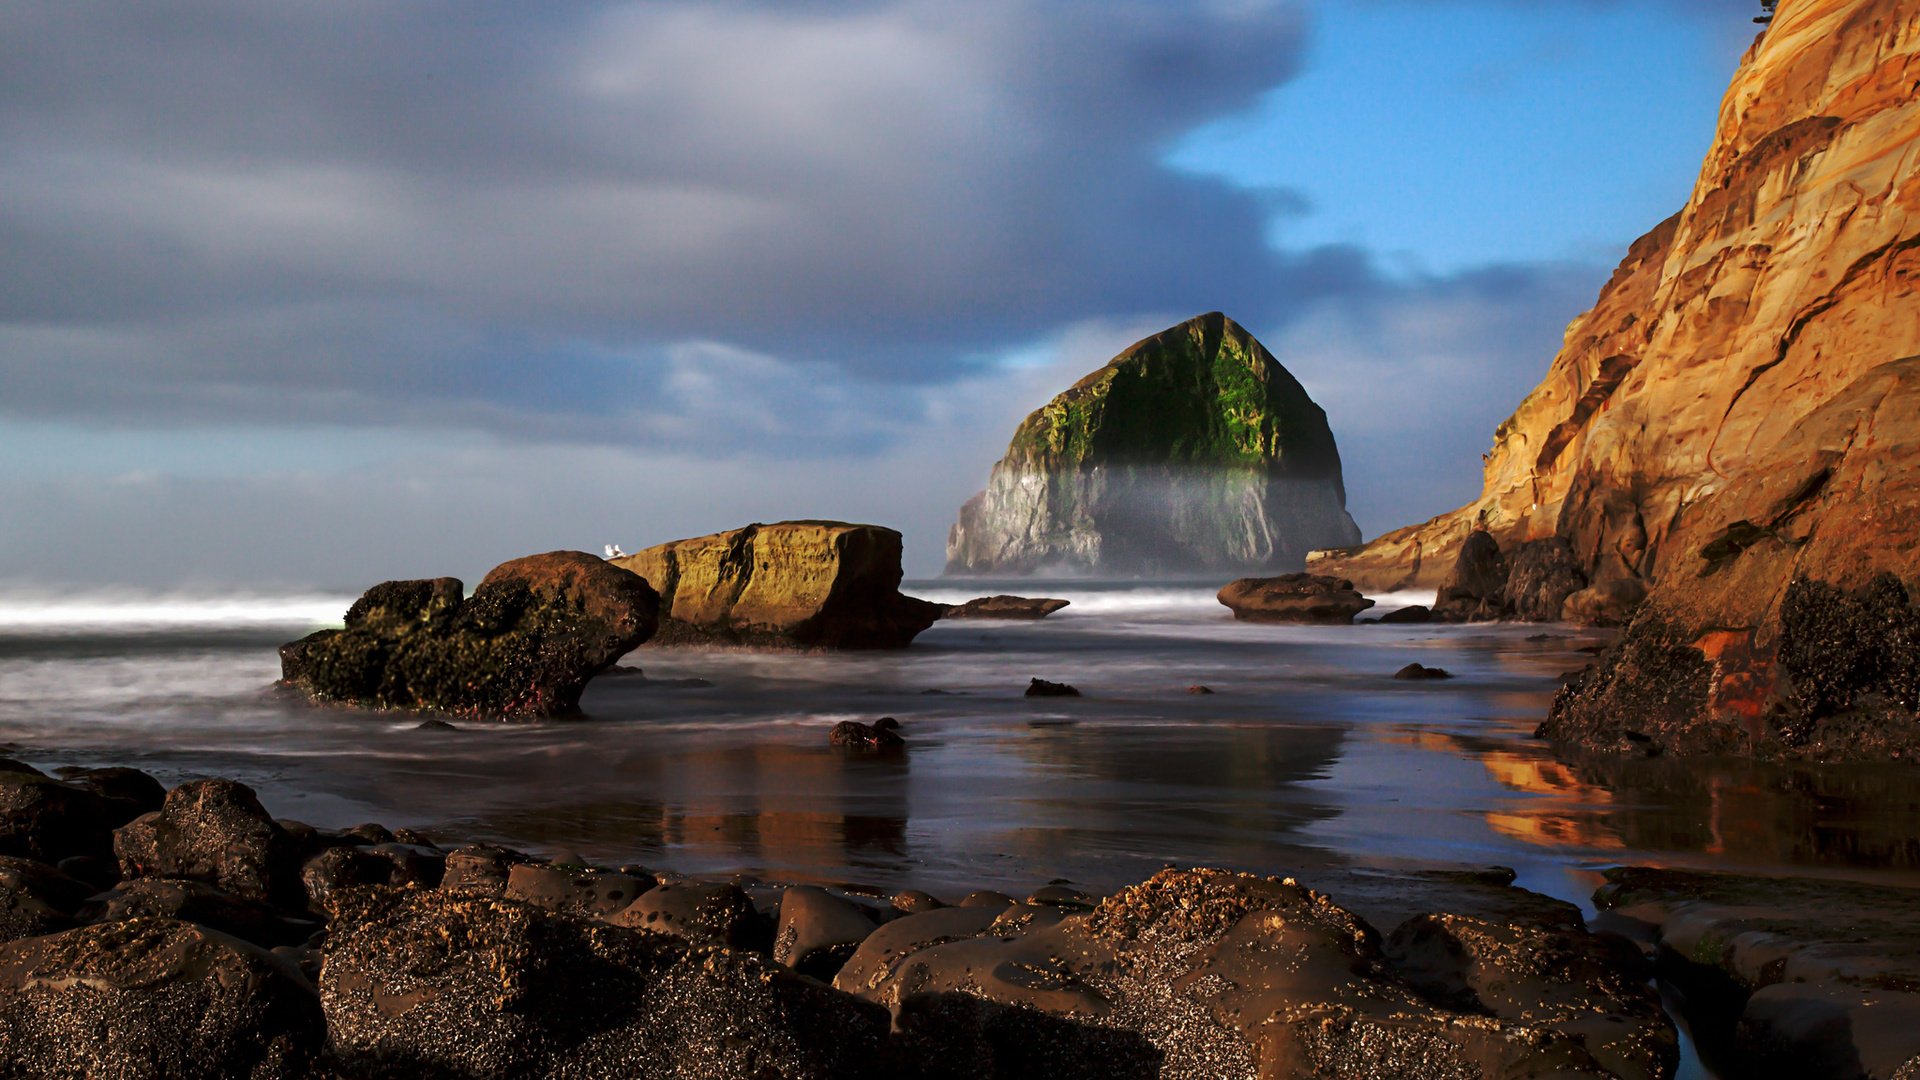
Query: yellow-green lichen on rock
point(1193, 449)
point(810, 584)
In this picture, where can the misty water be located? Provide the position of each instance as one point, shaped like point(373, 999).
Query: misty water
point(1307, 756)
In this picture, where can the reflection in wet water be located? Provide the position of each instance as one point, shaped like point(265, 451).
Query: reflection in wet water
point(1309, 754)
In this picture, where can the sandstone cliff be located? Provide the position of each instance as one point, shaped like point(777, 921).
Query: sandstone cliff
point(1784, 284)
point(1741, 408)
point(811, 584)
point(1192, 450)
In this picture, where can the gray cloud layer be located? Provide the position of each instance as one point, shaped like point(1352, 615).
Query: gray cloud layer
point(689, 231)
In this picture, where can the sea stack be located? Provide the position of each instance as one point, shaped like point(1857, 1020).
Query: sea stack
point(1193, 451)
point(1735, 427)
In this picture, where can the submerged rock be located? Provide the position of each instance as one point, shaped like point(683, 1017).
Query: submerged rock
point(1785, 976)
point(1004, 607)
point(806, 584)
point(882, 734)
point(1294, 598)
point(1043, 688)
point(1191, 450)
point(524, 645)
point(1421, 672)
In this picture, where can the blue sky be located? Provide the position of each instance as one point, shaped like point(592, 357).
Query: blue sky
point(319, 295)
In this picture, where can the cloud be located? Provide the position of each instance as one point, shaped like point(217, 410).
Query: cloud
point(223, 206)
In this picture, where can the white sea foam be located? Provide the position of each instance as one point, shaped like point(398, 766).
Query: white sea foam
point(39, 611)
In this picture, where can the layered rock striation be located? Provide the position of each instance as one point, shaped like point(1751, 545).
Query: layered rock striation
point(1193, 450)
point(796, 584)
point(1741, 408)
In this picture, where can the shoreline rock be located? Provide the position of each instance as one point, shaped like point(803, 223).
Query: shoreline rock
point(504, 964)
point(524, 645)
point(1294, 598)
point(794, 584)
point(1004, 607)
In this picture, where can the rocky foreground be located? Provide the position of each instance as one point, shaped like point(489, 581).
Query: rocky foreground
point(153, 933)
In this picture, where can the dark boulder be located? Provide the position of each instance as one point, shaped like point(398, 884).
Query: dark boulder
point(197, 902)
point(1411, 615)
point(882, 734)
point(153, 999)
point(575, 889)
point(1541, 574)
point(1294, 598)
point(1043, 688)
point(1004, 607)
point(818, 931)
point(359, 866)
point(481, 868)
point(214, 831)
point(36, 898)
point(1476, 589)
point(703, 913)
point(1422, 672)
point(430, 983)
point(524, 645)
point(48, 820)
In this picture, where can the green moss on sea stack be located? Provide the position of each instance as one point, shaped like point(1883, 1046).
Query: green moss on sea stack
point(1193, 449)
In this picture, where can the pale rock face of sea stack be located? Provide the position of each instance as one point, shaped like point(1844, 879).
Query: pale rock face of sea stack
point(1192, 451)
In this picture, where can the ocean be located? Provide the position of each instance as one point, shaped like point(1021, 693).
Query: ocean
point(1306, 756)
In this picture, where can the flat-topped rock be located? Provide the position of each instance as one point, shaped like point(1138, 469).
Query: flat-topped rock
point(1294, 598)
point(795, 584)
point(1005, 607)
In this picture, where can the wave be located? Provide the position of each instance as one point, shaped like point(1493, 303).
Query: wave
point(54, 613)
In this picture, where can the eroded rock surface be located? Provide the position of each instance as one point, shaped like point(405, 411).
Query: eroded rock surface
point(1005, 607)
point(1294, 598)
point(1191, 450)
point(806, 584)
point(524, 645)
point(1741, 407)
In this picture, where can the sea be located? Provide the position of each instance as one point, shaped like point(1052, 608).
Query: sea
point(1307, 757)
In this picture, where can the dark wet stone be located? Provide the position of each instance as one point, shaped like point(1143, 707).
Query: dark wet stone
point(1294, 598)
point(1476, 589)
point(197, 902)
point(1004, 607)
point(524, 645)
point(357, 867)
point(1541, 574)
point(883, 734)
point(434, 725)
point(440, 984)
point(913, 901)
point(214, 831)
point(481, 868)
point(1421, 671)
point(148, 999)
point(1043, 688)
point(125, 793)
point(1198, 689)
point(1062, 896)
point(818, 931)
point(985, 898)
point(1411, 615)
point(574, 889)
point(703, 913)
point(46, 819)
point(36, 898)
point(100, 873)
point(879, 956)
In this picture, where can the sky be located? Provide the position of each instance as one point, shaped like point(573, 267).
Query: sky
point(322, 292)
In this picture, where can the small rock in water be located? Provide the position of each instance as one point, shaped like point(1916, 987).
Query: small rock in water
point(882, 734)
point(1198, 689)
point(1421, 671)
point(1043, 688)
point(624, 671)
point(1412, 614)
point(434, 725)
point(1004, 607)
